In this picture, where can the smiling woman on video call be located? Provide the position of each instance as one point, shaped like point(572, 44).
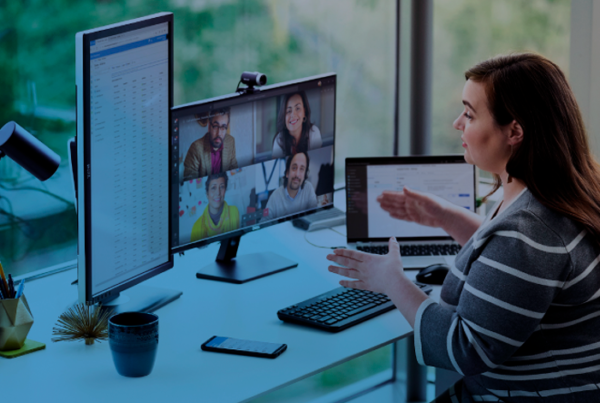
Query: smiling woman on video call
point(295, 130)
point(519, 313)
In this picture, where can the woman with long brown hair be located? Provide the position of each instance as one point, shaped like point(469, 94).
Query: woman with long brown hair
point(295, 130)
point(519, 313)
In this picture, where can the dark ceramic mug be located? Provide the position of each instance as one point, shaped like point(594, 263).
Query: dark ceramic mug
point(133, 340)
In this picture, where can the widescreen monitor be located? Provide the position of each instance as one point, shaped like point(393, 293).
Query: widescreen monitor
point(245, 161)
point(124, 78)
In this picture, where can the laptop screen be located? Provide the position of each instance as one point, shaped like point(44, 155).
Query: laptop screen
point(448, 177)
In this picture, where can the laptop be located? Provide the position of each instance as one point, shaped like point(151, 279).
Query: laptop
point(369, 227)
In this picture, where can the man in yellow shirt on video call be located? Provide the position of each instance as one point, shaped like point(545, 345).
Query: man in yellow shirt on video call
point(218, 216)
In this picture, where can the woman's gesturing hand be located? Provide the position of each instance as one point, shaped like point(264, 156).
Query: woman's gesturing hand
point(410, 205)
point(370, 272)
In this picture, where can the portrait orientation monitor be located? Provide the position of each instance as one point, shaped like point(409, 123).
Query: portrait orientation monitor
point(245, 161)
point(124, 77)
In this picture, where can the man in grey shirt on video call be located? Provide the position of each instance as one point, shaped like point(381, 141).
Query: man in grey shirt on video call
point(297, 194)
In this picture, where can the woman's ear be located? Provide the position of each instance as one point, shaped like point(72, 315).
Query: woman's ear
point(515, 133)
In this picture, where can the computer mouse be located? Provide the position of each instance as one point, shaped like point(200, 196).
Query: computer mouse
point(434, 274)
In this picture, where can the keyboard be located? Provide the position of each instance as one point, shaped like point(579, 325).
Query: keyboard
point(340, 308)
point(415, 250)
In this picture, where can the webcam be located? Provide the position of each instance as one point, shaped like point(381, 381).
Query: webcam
point(251, 79)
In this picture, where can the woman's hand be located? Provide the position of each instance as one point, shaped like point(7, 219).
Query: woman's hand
point(410, 205)
point(383, 274)
point(371, 272)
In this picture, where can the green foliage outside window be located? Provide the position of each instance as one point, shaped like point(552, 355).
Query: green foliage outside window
point(214, 42)
point(469, 31)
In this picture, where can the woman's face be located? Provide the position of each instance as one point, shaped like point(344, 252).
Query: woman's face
point(294, 114)
point(216, 193)
point(486, 144)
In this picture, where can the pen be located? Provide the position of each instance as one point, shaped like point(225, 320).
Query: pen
point(3, 289)
point(3, 280)
point(20, 290)
point(11, 287)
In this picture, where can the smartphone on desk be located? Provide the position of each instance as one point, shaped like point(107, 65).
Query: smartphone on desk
point(243, 347)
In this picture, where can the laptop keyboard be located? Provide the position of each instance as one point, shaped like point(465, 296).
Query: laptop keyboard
point(415, 250)
point(340, 308)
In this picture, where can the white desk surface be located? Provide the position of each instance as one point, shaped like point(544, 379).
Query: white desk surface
point(74, 372)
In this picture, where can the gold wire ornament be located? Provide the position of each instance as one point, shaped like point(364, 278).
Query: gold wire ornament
point(83, 323)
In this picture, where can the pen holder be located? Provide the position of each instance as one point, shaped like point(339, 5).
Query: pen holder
point(15, 321)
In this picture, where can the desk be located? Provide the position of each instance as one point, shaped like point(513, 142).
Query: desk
point(74, 372)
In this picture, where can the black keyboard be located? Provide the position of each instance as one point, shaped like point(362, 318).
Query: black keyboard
point(415, 250)
point(340, 308)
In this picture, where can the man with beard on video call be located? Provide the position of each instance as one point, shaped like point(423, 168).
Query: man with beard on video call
point(214, 152)
point(297, 193)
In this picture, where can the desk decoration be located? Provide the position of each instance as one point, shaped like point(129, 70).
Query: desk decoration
point(15, 315)
point(15, 321)
point(83, 323)
point(28, 347)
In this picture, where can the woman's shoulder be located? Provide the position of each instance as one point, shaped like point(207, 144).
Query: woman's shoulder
point(233, 210)
point(204, 214)
point(200, 225)
point(529, 218)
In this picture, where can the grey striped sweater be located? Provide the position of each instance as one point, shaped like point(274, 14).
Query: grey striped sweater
point(519, 316)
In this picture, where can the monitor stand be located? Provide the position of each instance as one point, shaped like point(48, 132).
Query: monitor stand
point(140, 298)
point(231, 269)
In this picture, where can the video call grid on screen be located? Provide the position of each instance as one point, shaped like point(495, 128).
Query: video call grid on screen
point(450, 178)
point(249, 127)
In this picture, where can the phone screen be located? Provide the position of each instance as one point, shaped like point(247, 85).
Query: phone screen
point(243, 345)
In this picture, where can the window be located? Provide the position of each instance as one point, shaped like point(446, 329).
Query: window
point(214, 42)
point(466, 32)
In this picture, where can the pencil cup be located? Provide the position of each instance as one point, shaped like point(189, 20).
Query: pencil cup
point(133, 341)
point(15, 321)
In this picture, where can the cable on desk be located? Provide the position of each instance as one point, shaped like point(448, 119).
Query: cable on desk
point(320, 246)
point(334, 230)
point(338, 189)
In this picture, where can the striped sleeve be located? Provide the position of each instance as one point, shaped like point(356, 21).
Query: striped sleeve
point(512, 277)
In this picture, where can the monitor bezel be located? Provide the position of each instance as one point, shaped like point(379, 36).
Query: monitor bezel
point(407, 160)
point(85, 269)
point(236, 99)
